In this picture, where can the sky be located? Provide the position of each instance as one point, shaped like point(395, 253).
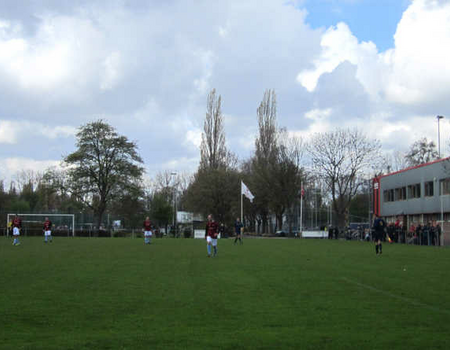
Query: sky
point(146, 67)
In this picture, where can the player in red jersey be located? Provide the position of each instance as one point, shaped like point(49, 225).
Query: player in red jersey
point(17, 226)
point(147, 230)
point(211, 232)
point(47, 230)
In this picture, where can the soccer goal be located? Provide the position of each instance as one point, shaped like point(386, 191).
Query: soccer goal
point(35, 222)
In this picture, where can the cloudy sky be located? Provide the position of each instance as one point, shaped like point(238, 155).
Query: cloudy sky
point(146, 68)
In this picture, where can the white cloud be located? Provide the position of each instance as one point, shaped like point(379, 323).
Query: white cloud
point(111, 71)
point(13, 131)
point(338, 45)
point(206, 58)
point(194, 137)
point(415, 71)
point(418, 69)
point(11, 166)
point(318, 115)
point(8, 133)
point(147, 68)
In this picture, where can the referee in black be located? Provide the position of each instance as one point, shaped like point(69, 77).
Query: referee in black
point(378, 232)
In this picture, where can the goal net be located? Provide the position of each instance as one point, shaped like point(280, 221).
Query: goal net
point(32, 224)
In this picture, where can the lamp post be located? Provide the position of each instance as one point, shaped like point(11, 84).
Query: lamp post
point(439, 117)
point(174, 222)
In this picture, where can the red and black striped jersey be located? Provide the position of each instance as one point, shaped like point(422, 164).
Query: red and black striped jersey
point(212, 229)
point(147, 225)
point(17, 222)
point(47, 225)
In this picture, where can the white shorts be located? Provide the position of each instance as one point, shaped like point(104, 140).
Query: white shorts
point(47, 233)
point(148, 233)
point(211, 240)
point(16, 231)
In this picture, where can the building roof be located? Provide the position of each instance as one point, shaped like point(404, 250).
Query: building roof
point(414, 167)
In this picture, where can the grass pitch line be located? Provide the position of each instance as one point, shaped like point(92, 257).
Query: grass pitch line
point(392, 295)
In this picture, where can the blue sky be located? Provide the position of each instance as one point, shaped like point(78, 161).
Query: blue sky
point(374, 20)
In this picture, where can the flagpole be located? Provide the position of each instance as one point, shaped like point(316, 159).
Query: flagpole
point(242, 209)
point(301, 209)
point(242, 212)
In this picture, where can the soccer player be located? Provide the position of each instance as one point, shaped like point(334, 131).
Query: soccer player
point(47, 230)
point(211, 231)
point(378, 232)
point(147, 231)
point(238, 226)
point(17, 226)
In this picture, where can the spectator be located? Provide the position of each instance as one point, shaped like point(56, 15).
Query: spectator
point(438, 234)
point(418, 234)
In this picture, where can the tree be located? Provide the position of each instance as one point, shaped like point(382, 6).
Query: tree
point(213, 151)
point(421, 152)
point(340, 159)
point(265, 156)
point(287, 176)
point(105, 166)
point(161, 211)
point(391, 162)
point(215, 186)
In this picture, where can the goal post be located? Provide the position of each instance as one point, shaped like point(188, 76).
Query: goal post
point(39, 218)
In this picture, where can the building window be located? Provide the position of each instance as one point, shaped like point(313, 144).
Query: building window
point(400, 194)
point(429, 189)
point(414, 191)
point(388, 195)
point(444, 187)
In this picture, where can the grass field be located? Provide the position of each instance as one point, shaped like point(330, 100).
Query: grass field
point(103, 293)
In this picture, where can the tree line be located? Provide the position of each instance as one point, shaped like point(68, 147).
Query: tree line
point(105, 175)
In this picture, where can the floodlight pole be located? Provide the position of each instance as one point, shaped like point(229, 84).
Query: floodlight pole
point(439, 117)
point(173, 174)
point(302, 192)
point(442, 212)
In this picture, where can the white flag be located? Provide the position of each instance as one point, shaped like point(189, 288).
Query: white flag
point(246, 192)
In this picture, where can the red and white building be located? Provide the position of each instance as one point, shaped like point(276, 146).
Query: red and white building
point(419, 194)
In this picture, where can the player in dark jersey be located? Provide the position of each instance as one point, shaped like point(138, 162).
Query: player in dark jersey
point(16, 226)
point(147, 231)
point(238, 226)
point(211, 231)
point(379, 226)
point(47, 231)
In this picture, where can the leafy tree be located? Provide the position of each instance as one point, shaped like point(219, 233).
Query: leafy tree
point(18, 205)
point(161, 211)
point(422, 151)
point(105, 166)
point(130, 209)
point(29, 195)
point(215, 192)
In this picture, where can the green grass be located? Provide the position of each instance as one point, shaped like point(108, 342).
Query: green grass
point(81, 293)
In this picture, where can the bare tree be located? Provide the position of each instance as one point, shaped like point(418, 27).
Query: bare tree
point(213, 151)
point(27, 177)
point(340, 158)
point(287, 175)
point(422, 151)
point(215, 187)
point(266, 143)
point(265, 157)
point(391, 162)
